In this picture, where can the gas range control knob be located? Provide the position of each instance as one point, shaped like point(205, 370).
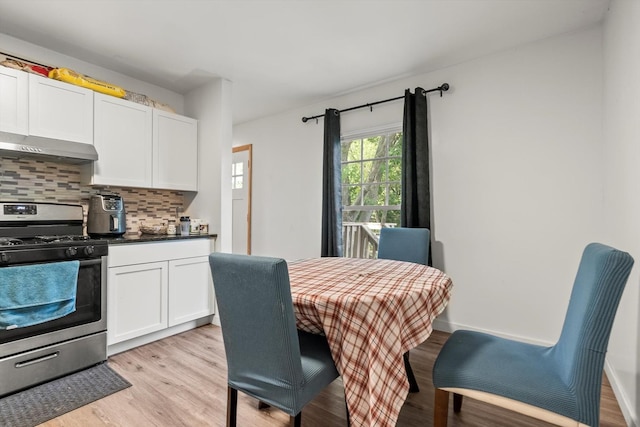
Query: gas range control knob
point(72, 251)
point(4, 257)
point(89, 250)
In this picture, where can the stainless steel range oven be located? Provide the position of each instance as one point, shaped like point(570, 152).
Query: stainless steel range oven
point(42, 233)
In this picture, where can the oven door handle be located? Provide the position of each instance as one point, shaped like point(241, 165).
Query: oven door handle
point(87, 262)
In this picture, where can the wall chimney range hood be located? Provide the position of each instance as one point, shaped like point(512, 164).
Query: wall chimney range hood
point(19, 146)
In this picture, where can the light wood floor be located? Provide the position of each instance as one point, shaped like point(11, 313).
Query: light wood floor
point(181, 381)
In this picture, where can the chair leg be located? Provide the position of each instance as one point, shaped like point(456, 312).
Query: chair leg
point(457, 402)
point(232, 406)
point(440, 408)
point(413, 384)
point(348, 418)
point(296, 421)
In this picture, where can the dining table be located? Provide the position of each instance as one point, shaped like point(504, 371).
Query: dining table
point(372, 311)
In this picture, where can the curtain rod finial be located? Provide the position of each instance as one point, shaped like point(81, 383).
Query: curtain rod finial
point(443, 88)
point(304, 120)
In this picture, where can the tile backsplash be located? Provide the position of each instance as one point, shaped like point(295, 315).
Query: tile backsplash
point(31, 180)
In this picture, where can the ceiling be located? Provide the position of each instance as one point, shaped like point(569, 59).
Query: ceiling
point(282, 54)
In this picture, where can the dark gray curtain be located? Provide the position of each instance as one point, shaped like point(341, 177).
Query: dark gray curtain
point(415, 208)
point(331, 186)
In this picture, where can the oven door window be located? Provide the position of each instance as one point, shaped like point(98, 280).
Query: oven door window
point(88, 305)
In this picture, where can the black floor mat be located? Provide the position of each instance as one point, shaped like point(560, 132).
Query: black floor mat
point(41, 403)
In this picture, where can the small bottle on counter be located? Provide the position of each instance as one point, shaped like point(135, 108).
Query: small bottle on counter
point(171, 228)
point(204, 227)
point(185, 225)
point(195, 226)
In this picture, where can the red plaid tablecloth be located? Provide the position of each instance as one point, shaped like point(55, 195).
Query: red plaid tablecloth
point(372, 312)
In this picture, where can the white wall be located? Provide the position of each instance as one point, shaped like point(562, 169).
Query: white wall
point(517, 179)
point(211, 105)
point(286, 187)
point(517, 188)
point(535, 154)
point(622, 199)
point(517, 183)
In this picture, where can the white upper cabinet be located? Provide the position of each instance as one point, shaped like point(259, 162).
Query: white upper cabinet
point(14, 95)
point(175, 151)
point(60, 110)
point(139, 146)
point(123, 139)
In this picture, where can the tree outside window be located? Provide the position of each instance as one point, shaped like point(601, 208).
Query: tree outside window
point(371, 185)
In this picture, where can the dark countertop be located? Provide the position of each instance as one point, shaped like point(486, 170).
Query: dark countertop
point(141, 238)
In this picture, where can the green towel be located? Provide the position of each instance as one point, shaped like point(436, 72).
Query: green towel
point(37, 293)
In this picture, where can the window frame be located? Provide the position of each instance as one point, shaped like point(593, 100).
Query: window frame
point(235, 175)
point(363, 134)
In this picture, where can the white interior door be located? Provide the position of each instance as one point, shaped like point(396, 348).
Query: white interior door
point(241, 199)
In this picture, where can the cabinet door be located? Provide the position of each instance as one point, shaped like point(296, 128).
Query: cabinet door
point(123, 139)
point(60, 110)
point(190, 290)
point(14, 87)
point(137, 300)
point(175, 151)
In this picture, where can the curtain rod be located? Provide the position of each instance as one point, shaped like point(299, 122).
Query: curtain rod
point(442, 88)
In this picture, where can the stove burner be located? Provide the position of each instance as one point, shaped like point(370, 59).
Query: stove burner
point(8, 241)
point(47, 232)
point(57, 239)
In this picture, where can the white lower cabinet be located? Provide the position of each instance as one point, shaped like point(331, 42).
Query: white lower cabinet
point(188, 298)
point(137, 300)
point(152, 287)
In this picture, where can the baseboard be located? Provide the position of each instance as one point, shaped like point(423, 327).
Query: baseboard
point(446, 326)
point(216, 319)
point(155, 336)
point(440, 325)
point(628, 412)
point(630, 416)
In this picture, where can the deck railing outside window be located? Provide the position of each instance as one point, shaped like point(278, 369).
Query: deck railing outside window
point(360, 239)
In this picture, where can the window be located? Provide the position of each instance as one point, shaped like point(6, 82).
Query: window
point(371, 189)
point(371, 173)
point(237, 175)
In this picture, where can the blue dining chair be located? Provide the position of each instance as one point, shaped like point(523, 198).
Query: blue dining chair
point(410, 245)
point(404, 244)
point(267, 357)
point(560, 384)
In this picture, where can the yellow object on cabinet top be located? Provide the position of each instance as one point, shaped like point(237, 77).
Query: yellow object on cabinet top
point(70, 76)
